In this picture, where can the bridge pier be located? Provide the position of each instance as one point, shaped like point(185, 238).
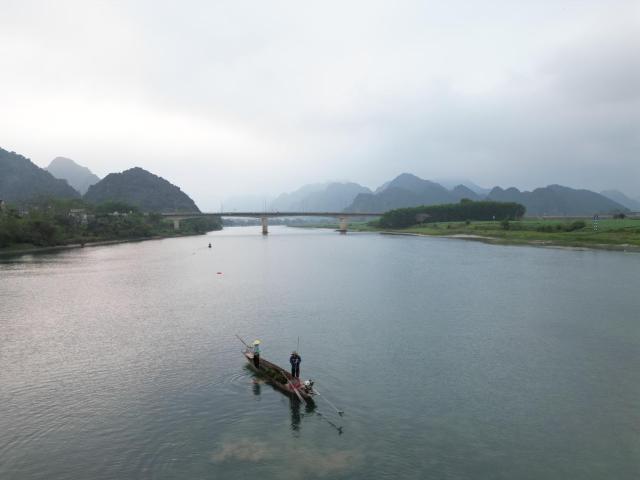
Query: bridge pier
point(265, 225)
point(176, 224)
point(344, 223)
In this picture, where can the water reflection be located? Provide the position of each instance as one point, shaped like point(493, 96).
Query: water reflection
point(296, 417)
point(257, 388)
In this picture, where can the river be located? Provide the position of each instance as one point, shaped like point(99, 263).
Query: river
point(452, 359)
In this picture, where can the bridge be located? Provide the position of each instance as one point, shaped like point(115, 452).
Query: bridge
point(264, 217)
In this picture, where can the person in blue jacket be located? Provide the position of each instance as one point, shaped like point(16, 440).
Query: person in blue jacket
point(295, 360)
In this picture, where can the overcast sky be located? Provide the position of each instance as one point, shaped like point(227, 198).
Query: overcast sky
point(238, 97)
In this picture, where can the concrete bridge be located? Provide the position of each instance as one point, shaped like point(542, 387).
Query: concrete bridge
point(264, 217)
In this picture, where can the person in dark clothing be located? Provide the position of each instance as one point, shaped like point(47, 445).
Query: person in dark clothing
point(295, 360)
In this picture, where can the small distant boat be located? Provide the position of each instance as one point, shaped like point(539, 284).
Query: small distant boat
point(281, 379)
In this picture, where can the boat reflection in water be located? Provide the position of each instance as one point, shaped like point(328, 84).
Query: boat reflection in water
point(295, 406)
point(296, 415)
point(257, 388)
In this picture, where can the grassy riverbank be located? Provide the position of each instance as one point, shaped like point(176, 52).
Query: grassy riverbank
point(614, 234)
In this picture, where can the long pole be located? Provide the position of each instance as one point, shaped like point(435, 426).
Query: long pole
point(245, 343)
point(338, 411)
point(295, 390)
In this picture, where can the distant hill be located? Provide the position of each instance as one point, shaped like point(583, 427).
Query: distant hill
point(617, 196)
point(143, 189)
point(79, 177)
point(462, 191)
point(451, 183)
point(407, 190)
point(286, 201)
point(320, 197)
point(557, 200)
point(417, 185)
point(246, 203)
point(22, 181)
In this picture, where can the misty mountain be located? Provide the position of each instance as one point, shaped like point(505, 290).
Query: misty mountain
point(246, 203)
point(407, 190)
point(79, 177)
point(143, 189)
point(320, 197)
point(388, 199)
point(617, 196)
point(557, 200)
point(452, 183)
point(286, 201)
point(21, 180)
point(462, 191)
point(415, 184)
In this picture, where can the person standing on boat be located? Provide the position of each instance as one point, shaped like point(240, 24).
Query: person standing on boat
point(256, 353)
point(295, 360)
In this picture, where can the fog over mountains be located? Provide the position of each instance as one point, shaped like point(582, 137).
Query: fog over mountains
point(408, 190)
point(21, 181)
point(622, 199)
point(79, 177)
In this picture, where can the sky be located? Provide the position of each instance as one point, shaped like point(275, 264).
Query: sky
point(226, 98)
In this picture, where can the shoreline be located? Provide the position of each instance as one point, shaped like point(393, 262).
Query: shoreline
point(70, 246)
point(623, 247)
point(612, 247)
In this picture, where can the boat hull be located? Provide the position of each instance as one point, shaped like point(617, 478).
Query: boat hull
point(288, 387)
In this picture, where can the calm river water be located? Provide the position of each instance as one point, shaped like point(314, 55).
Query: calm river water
point(452, 359)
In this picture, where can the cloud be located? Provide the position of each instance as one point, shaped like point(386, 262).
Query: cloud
point(243, 97)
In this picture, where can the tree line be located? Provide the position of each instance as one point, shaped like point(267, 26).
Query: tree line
point(50, 222)
point(452, 212)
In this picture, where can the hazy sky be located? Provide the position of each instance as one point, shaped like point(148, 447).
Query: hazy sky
point(234, 97)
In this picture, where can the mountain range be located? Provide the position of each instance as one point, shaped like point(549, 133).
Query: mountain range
point(408, 190)
point(21, 181)
point(79, 177)
point(556, 200)
point(319, 197)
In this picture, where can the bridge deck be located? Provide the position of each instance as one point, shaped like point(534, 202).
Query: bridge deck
point(269, 214)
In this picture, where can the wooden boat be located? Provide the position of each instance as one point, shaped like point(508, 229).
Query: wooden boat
point(281, 379)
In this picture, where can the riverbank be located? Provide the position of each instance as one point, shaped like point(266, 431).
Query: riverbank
point(31, 249)
point(623, 247)
point(610, 234)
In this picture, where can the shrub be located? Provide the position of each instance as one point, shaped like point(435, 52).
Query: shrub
point(577, 225)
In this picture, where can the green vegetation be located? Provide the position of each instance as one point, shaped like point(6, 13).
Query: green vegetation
point(143, 189)
point(21, 180)
point(465, 210)
point(54, 222)
point(610, 233)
